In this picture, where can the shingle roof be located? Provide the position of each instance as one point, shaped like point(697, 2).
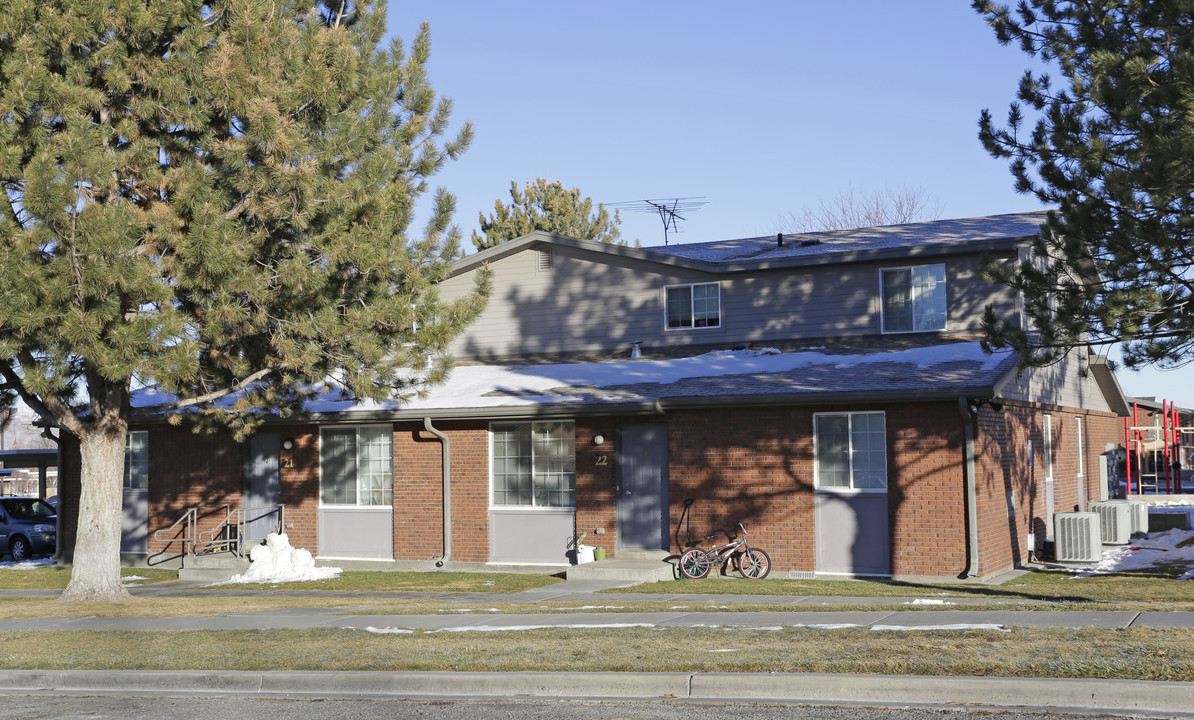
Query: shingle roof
point(945, 369)
point(941, 369)
point(937, 233)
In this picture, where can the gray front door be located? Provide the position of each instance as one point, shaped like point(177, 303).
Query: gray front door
point(263, 486)
point(134, 525)
point(642, 486)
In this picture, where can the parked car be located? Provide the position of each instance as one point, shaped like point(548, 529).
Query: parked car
point(28, 527)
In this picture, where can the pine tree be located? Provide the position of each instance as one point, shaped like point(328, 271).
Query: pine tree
point(1110, 150)
point(547, 205)
point(212, 198)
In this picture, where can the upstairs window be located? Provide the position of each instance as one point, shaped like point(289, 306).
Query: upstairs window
point(693, 306)
point(913, 299)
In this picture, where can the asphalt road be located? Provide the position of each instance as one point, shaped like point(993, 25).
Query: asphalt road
point(35, 707)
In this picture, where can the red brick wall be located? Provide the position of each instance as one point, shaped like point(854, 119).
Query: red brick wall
point(744, 465)
point(418, 491)
point(596, 481)
point(299, 476)
point(756, 465)
point(926, 489)
point(1002, 446)
point(753, 465)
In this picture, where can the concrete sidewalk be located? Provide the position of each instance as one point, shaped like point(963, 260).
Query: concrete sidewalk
point(471, 612)
point(1140, 698)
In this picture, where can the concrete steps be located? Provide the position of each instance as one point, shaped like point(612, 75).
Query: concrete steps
point(629, 567)
point(213, 567)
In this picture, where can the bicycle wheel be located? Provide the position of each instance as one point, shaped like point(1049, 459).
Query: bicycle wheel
point(694, 564)
point(754, 564)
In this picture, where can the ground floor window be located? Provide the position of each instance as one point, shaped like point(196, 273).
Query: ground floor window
point(850, 450)
point(356, 465)
point(534, 463)
point(136, 460)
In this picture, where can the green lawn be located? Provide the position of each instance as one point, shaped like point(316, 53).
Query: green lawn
point(1135, 653)
point(52, 577)
point(56, 578)
point(1042, 585)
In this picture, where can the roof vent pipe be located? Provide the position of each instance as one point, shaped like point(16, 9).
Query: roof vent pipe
point(636, 349)
point(779, 239)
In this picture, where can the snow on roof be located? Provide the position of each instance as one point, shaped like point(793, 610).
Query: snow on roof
point(725, 373)
point(937, 233)
point(950, 367)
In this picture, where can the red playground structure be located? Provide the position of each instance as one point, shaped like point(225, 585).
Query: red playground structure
point(1154, 452)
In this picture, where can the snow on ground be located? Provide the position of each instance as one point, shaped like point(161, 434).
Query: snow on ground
point(1141, 553)
point(540, 626)
point(277, 562)
point(957, 626)
point(28, 564)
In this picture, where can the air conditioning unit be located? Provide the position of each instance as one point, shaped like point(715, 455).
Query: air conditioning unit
point(1077, 537)
point(1139, 512)
point(1115, 518)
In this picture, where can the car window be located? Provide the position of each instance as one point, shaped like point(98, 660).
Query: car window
point(28, 508)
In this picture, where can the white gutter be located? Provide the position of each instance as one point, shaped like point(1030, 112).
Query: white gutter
point(447, 480)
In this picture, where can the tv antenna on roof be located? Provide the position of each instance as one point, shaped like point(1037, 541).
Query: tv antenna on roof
point(669, 210)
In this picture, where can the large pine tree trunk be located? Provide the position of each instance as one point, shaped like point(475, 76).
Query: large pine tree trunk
point(95, 575)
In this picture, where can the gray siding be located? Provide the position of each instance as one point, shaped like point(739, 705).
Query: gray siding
point(589, 302)
point(1062, 384)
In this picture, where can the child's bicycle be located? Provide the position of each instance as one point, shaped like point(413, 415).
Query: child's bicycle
point(751, 562)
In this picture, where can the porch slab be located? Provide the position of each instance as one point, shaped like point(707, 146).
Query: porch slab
point(217, 567)
point(624, 571)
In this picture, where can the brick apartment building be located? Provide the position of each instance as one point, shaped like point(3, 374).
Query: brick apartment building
point(826, 389)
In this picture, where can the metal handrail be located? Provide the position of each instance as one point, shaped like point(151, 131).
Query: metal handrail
point(226, 536)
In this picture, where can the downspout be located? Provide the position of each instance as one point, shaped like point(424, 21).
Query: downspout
point(971, 492)
point(447, 480)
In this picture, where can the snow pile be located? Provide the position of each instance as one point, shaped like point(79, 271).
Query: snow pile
point(276, 562)
point(1143, 553)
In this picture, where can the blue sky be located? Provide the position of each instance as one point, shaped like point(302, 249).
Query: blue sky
point(760, 108)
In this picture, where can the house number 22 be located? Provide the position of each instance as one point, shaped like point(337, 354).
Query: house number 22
point(601, 460)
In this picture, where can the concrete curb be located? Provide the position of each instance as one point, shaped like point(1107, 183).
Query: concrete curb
point(1172, 699)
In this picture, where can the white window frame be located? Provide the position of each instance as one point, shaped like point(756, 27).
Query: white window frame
point(691, 287)
point(388, 482)
point(944, 284)
point(568, 469)
point(136, 440)
point(1081, 448)
point(1047, 447)
point(851, 489)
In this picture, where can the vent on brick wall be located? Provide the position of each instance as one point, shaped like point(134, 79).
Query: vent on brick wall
point(801, 575)
point(1078, 537)
point(1115, 519)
